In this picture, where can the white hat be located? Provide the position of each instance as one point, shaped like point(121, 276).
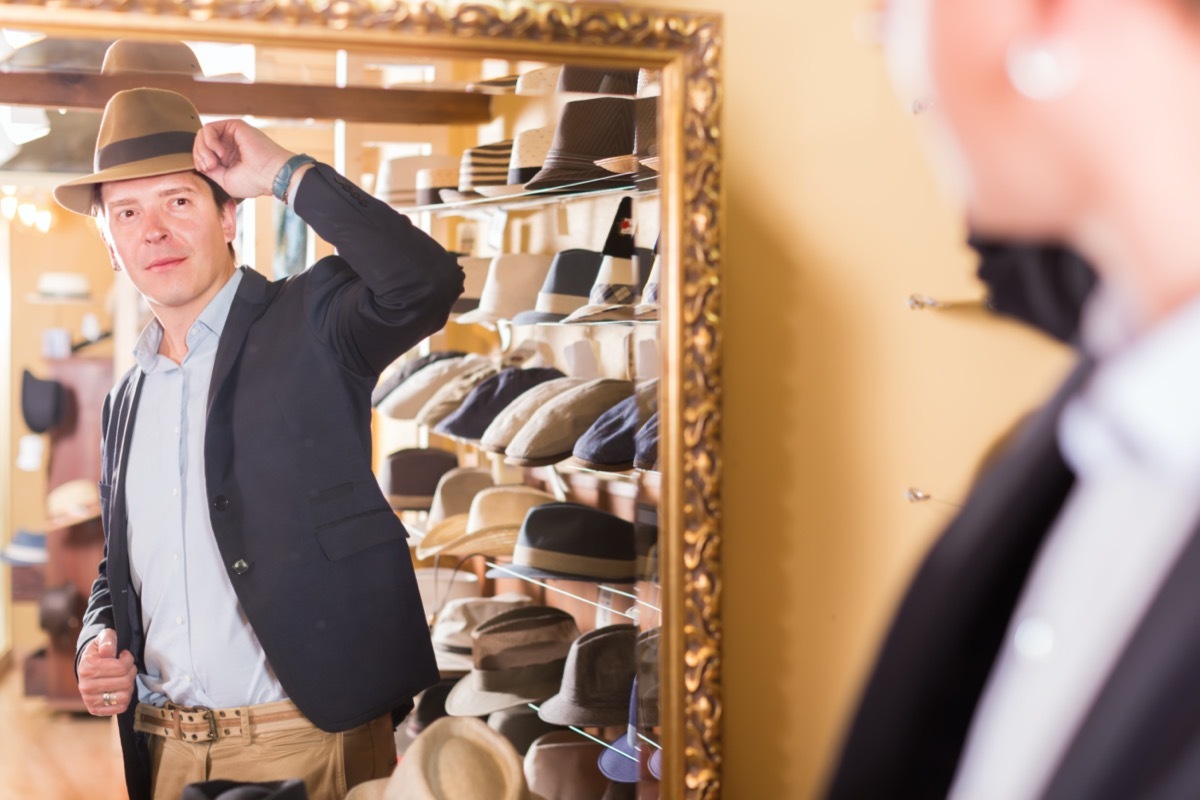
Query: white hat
point(407, 399)
point(489, 527)
point(539, 81)
point(431, 180)
point(396, 181)
point(529, 152)
point(512, 285)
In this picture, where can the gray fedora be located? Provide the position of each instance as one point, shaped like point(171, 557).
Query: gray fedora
point(597, 680)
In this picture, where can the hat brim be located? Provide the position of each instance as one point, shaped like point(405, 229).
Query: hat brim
point(511, 570)
point(439, 536)
point(496, 541)
point(76, 195)
point(468, 699)
point(560, 711)
point(503, 190)
point(76, 516)
point(618, 164)
point(587, 180)
point(535, 461)
point(586, 463)
point(601, 313)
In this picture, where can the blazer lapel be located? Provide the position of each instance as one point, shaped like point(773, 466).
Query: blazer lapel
point(1141, 738)
point(248, 305)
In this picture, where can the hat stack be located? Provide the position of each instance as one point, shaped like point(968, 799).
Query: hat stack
point(485, 165)
point(489, 398)
point(529, 151)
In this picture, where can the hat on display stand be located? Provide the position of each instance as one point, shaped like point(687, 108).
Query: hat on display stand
point(490, 526)
point(617, 287)
point(43, 402)
point(27, 549)
point(489, 398)
point(452, 496)
point(566, 288)
point(562, 766)
point(597, 680)
point(484, 165)
point(509, 422)
point(410, 476)
point(511, 287)
point(396, 180)
point(529, 151)
point(73, 502)
point(407, 399)
point(403, 368)
point(450, 396)
point(608, 445)
point(574, 542)
point(431, 181)
point(516, 657)
point(552, 430)
point(588, 130)
point(461, 617)
point(455, 758)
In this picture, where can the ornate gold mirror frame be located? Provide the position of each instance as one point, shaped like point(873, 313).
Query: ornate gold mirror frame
point(688, 48)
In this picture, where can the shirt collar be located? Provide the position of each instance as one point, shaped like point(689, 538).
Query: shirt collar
point(1139, 406)
point(212, 319)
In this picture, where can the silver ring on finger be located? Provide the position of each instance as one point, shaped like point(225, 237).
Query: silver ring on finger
point(109, 699)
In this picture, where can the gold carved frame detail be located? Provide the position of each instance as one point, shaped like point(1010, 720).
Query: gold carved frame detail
point(688, 47)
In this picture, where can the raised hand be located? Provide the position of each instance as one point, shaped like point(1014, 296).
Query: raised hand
point(239, 157)
point(103, 675)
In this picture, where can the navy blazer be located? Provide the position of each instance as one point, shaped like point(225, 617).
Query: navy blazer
point(317, 557)
point(1141, 736)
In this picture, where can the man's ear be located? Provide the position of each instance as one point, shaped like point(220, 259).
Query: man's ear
point(229, 221)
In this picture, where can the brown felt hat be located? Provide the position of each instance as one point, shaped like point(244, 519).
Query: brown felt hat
point(144, 132)
point(135, 55)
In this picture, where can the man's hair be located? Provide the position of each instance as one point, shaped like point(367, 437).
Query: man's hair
point(220, 197)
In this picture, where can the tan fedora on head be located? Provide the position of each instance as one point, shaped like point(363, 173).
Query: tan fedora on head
point(144, 132)
point(489, 527)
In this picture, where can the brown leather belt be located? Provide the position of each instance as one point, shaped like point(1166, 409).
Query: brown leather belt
point(199, 724)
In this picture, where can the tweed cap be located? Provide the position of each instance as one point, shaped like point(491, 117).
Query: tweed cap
point(511, 287)
point(489, 527)
point(450, 396)
point(608, 444)
point(645, 445)
point(403, 368)
point(551, 432)
point(570, 541)
point(567, 286)
point(490, 397)
point(562, 766)
point(521, 725)
point(508, 423)
point(597, 680)
point(517, 657)
point(454, 759)
point(588, 130)
point(407, 399)
point(459, 618)
point(410, 476)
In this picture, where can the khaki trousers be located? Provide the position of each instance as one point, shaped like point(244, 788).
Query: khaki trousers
point(329, 763)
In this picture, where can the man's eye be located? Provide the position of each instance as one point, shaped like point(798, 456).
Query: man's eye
point(181, 201)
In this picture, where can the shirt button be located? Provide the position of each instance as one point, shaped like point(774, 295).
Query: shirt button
point(187, 678)
point(1034, 638)
point(179, 620)
point(241, 567)
point(221, 502)
point(175, 492)
point(175, 556)
point(176, 430)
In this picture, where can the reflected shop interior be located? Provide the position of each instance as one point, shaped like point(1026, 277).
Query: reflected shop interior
point(519, 444)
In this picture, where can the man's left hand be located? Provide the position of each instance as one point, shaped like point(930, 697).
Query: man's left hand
point(239, 157)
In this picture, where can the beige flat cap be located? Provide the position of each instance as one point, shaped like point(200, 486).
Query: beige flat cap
point(407, 399)
point(551, 433)
point(448, 398)
point(508, 423)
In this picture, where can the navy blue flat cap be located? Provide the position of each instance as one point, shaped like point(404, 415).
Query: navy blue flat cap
point(489, 398)
point(609, 444)
point(566, 287)
point(388, 384)
point(645, 444)
point(568, 541)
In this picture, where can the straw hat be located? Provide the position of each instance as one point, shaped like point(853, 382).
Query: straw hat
point(144, 132)
point(455, 758)
point(489, 527)
point(72, 503)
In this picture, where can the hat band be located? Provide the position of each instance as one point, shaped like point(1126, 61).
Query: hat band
point(518, 678)
point(143, 148)
point(613, 293)
point(615, 569)
point(522, 174)
point(558, 303)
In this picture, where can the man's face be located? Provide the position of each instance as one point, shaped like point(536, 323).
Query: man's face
point(167, 233)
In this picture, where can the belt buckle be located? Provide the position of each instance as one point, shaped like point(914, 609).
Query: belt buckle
point(203, 711)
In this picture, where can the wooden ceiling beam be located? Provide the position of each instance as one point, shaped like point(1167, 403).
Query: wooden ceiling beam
point(407, 106)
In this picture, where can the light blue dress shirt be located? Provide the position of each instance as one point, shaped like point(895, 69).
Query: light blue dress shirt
point(200, 649)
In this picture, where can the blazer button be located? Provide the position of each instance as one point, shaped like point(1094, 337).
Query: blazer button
point(221, 502)
point(241, 567)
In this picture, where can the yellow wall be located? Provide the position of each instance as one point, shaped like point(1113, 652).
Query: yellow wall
point(838, 397)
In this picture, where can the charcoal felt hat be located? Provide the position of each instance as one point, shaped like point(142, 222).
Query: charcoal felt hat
point(567, 286)
point(588, 130)
point(43, 402)
point(570, 541)
point(517, 657)
point(409, 477)
point(597, 680)
point(489, 398)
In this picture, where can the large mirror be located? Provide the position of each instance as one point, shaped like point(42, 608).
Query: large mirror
point(399, 97)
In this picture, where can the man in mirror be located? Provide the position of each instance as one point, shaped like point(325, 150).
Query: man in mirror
point(256, 616)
